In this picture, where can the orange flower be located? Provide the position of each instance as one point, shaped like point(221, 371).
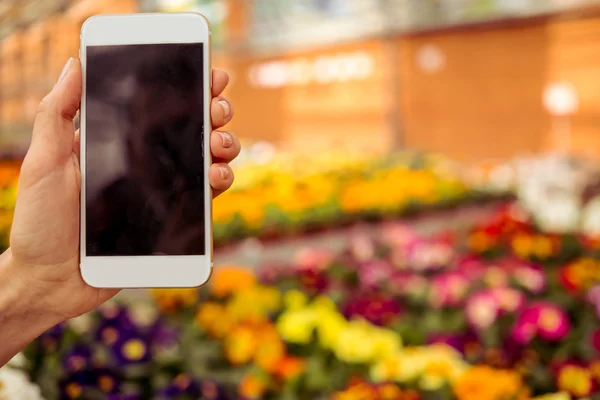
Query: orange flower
point(252, 387)
point(487, 383)
point(271, 349)
point(241, 344)
point(228, 280)
point(213, 319)
point(290, 368)
point(169, 300)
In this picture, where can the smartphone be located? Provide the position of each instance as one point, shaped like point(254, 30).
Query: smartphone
point(145, 127)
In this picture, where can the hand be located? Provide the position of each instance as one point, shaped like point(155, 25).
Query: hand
point(39, 273)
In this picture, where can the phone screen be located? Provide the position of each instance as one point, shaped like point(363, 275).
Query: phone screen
point(144, 135)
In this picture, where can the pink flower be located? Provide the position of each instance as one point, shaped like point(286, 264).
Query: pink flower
point(525, 328)
point(530, 277)
point(407, 284)
point(395, 235)
point(362, 247)
point(542, 319)
point(509, 299)
point(593, 296)
point(430, 255)
point(482, 310)
point(375, 273)
point(472, 267)
point(596, 340)
point(314, 259)
point(448, 289)
point(553, 323)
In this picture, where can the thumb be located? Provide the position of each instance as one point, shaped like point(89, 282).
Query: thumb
point(53, 130)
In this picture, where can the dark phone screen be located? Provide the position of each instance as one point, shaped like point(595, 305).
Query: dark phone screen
point(144, 134)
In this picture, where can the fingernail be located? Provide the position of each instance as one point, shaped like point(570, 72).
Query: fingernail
point(227, 139)
point(226, 108)
point(224, 171)
point(66, 69)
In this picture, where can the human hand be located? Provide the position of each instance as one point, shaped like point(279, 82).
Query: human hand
point(39, 273)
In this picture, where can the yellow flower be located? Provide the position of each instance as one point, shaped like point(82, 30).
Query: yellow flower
point(229, 280)
point(240, 345)
point(169, 300)
point(297, 326)
point(329, 327)
point(295, 300)
point(554, 396)
point(354, 344)
point(254, 303)
point(575, 380)
point(386, 342)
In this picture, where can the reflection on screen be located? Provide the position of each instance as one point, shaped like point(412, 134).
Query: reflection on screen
point(144, 153)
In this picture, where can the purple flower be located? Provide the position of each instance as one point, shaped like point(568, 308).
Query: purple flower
point(77, 359)
point(163, 336)
point(73, 386)
point(180, 386)
point(131, 349)
point(50, 339)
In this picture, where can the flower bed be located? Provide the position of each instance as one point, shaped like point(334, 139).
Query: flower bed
point(294, 194)
point(504, 313)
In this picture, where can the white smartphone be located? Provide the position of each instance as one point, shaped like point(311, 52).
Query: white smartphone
point(145, 127)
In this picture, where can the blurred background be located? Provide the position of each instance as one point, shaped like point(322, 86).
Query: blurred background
point(416, 213)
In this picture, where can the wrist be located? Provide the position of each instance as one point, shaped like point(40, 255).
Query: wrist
point(22, 315)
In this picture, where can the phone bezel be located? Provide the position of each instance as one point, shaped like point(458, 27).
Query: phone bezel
point(147, 271)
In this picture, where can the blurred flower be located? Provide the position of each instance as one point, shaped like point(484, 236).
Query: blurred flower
point(554, 396)
point(427, 255)
point(295, 300)
point(593, 296)
point(181, 385)
point(227, 280)
point(486, 383)
point(448, 289)
point(14, 384)
point(213, 318)
point(313, 259)
point(529, 277)
point(297, 326)
point(482, 310)
point(508, 299)
point(106, 381)
point(496, 276)
point(362, 247)
point(252, 387)
point(354, 344)
point(50, 339)
point(240, 344)
point(313, 280)
point(131, 349)
point(527, 246)
point(412, 285)
point(170, 300)
point(374, 308)
point(163, 336)
point(290, 368)
point(480, 241)
point(77, 358)
point(595, 339)
point(580, 274)
point(270, 352)
point(372, 275)
point(397, 234)
point(575, 379)
point(254, 303)
point(542, 319)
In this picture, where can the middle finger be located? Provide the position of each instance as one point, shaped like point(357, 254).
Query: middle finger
point(221, 111)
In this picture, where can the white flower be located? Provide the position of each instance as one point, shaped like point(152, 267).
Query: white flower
point(591, 217)
point(15, 385)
